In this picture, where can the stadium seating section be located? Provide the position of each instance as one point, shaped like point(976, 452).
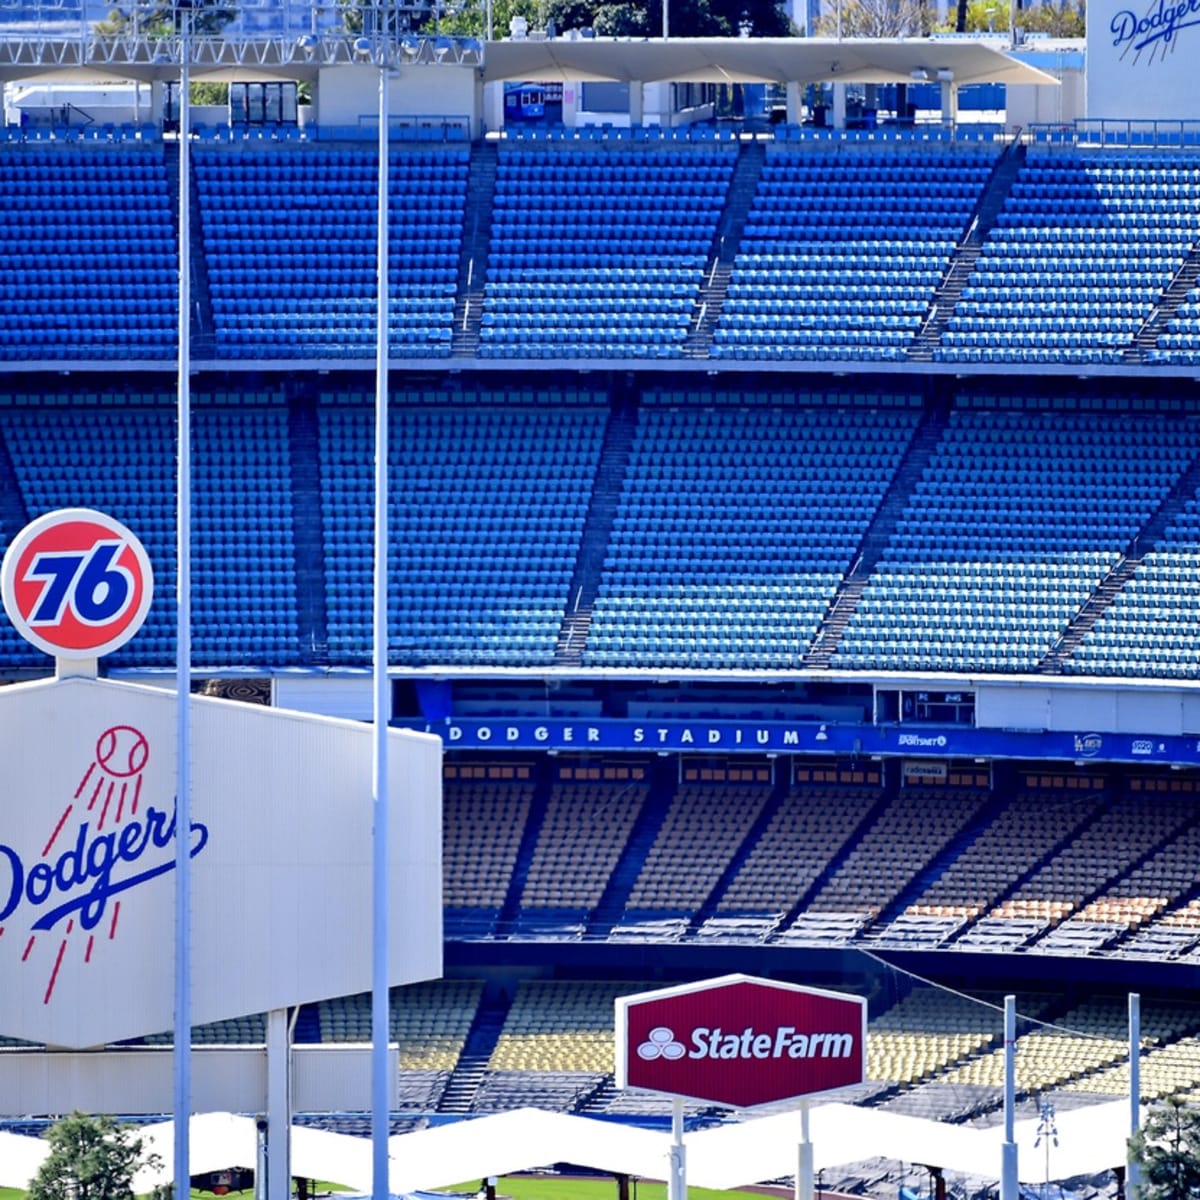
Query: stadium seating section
point(690, 529)
point(563, 496)
point(967, 250)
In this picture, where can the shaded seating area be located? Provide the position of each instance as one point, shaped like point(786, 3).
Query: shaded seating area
point(903, 838)
point(243, 548)
point(806, 833)
point(115, 453)
point(88, 264)
point(582, 836)
point(842, 252)
point(703, 828)
point(484, 813)
point(599, 252)
point(1145, 629)
point(974, 888)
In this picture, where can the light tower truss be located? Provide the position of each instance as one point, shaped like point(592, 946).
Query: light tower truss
point(289, 38)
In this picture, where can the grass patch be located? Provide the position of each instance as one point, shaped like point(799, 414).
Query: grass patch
point(573, 1187)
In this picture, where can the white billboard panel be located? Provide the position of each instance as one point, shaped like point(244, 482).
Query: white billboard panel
point(281, 860)
point(1139, 55)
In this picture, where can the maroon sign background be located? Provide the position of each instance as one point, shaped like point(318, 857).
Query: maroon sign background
point(740, 1041)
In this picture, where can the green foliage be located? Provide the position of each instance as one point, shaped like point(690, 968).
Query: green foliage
point(1167, 1149)
point(91, 1158)
point(209, 18)
point(983, 16)
point(688, 18)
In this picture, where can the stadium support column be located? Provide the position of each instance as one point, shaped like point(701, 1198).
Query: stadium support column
point(677, 1172)
point(637, 102)
point(182, 1056)
point(1008, 1152)
point(839, 106)
point(804, 1158)
point(1132, 1170)
point(949, 102)
point(795, 102)
point(279, 1105)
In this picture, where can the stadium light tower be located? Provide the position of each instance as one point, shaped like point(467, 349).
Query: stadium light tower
point(182, 1058)
point(383, 48)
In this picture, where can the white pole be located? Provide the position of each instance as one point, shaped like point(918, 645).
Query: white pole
point(677, 1174)
point(1008, 1152)
point(804, 1160)
point(380, 1091)
point(182, 1057)
point(1132, 1170)
point(279, 1105)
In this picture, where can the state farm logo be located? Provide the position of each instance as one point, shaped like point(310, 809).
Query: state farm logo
point(107, 842)
point(782, 1042)
point(661, 1043)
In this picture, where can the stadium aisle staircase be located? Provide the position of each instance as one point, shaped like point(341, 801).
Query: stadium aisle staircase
point(473, 257)
point(874, 540)
point(308, 538)
point(927, 339)
point(597, 530)
point(732, 225)
point(612, 902)
point(468, 1074)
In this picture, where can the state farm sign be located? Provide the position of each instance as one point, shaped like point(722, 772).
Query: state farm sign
point(740, 1041)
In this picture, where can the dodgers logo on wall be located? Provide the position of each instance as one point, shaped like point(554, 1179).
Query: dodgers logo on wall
point(107, 839)
point(76, 583)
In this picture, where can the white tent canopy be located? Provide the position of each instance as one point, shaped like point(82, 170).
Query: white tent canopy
point(1090, 1140)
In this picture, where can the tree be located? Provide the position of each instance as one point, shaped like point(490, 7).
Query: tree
point(155, 19)
point(992, 16)
point(688, 18)
point(1167, 1149)
point(91, 1158)
point(874, 18)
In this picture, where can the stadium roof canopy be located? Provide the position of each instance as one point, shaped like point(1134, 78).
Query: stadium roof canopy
point(1091, 1140)
point(757, 60)
point(94, 59)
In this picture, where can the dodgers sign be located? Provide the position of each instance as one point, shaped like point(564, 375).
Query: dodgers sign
point(76, 583)
point(740, 1041)
point(281, 851)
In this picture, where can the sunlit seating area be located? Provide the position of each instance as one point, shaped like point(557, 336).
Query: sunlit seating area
point(1020, 516)
point(1082, 252)
point(289, 248)
point(611, 272)
point(842, 252)
point(88, 261)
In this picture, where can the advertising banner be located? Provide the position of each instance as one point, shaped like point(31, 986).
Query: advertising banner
point(280, 844)
point(806, 737)
point(740, 1041)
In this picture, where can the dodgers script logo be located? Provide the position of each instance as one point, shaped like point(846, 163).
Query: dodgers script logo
point(106, 843)
point(1155, 29)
